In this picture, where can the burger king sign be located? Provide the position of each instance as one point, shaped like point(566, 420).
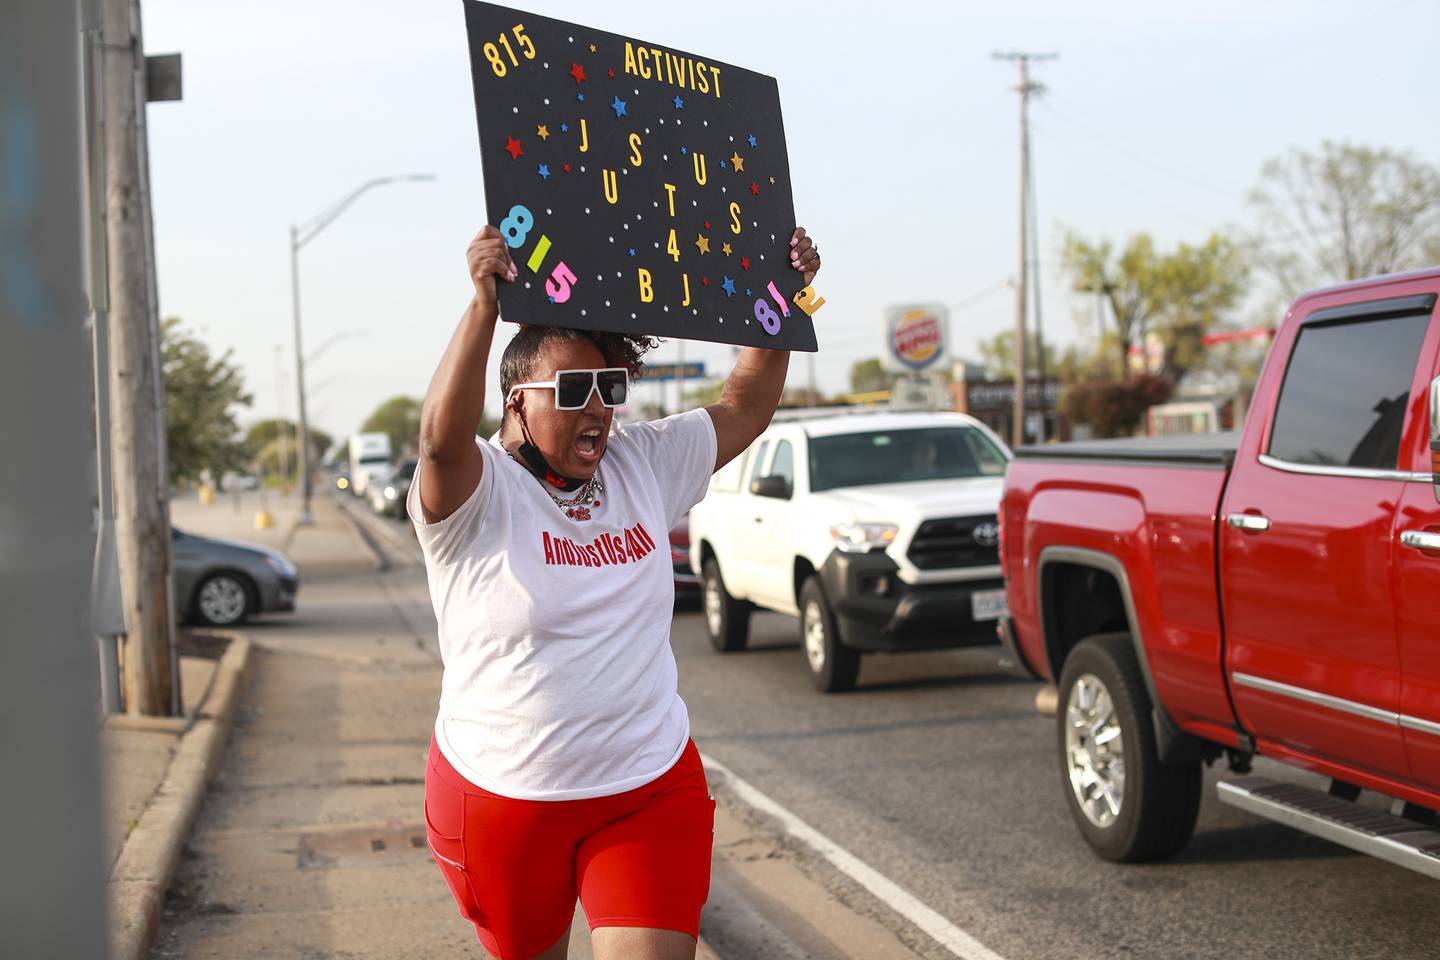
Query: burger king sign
point(915, 335)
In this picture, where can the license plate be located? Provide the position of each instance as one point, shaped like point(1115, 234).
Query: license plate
point(988, 605)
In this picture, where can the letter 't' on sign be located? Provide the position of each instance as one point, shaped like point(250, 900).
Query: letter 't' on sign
point(641, 189)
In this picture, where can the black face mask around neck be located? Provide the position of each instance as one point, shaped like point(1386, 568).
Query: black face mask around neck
point(534, 461)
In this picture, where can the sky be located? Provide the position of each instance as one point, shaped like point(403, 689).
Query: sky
point(902, 131)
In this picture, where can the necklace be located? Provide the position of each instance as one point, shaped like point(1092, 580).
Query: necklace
point(576, 507)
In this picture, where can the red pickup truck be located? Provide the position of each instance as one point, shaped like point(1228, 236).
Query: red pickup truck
point(1271, 592)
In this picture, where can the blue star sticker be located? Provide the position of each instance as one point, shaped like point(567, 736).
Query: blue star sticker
point(564, 128)
point(632, 251)
point(683, 151)
point(751, 139)
point(551, 299)
point(729, 287)
point(544, 171)
point(748, 292)
point(619, 107)
point(722, 164)
point(679, 104)
point(580, 97)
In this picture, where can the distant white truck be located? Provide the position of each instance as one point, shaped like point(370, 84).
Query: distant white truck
point(369, 461)
point(878, 530)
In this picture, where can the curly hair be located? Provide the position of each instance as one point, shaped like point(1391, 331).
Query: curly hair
point(517, 364)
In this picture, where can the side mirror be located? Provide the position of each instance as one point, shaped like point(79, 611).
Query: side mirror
point(772, 486)
point(1435, 436)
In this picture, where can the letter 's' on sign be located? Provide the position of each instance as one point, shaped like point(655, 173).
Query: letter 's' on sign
point(641, 189)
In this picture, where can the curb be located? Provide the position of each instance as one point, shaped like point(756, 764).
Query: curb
point(151, 853)
point(365, 538)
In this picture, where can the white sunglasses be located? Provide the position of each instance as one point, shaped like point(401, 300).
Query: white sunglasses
point(573, 387)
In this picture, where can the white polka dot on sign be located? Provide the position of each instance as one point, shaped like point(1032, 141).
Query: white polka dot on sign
point(664, 156)
point(548, 211)
point(637, 216)
point(723, 190)
point(618, 273)
point(527, 284)
point(514, 109)
point(599, 277)
point(657, 204)
point(587, 209)
point(732, 139)
point(632, 316)
point(607, 303)
point(582, 169)
point(582, 313)
point(665, 307)
point(762, 256)
point(571, 39)
point(694, 203)
point(547, 101)
point(625, 225)
point(696, 311)
point(647, 131)
point(612, 239)
point(637, 91)
point(754, 223)
point(678, 121)
point(706, 123)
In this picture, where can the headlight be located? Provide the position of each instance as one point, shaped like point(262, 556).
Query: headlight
point(863, 537)
point(280, 565)
point(390, 493)
point(343, 483)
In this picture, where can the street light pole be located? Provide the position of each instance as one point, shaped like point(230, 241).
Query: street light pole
point(299, 236)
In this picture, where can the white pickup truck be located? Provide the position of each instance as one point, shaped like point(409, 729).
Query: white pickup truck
point(878, 530)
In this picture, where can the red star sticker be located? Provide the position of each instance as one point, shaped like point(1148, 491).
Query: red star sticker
point(745, 263)
point(577, 71)
point(610, 74)
point(707, 224)
point(512, 147)
point(705, 281)
point(566, 168)
point(754, 189)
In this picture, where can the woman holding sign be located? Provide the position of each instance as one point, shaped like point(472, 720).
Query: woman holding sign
point(561, 762)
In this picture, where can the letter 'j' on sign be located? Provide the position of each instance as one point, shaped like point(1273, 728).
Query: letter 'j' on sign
point(643, 189)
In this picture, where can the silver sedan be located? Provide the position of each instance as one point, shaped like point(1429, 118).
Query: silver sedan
point(222, 583)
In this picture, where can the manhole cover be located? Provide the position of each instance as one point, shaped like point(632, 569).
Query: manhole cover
point(362, 847)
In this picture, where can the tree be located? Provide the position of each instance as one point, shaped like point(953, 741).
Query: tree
point(200, 392)
point(1178, 296)
point(261, 444)
point(868, 375)
point(999, 355)
point(1345, 213)
point(400, 418)
point(1127, 284)
point(1195, 287)
point(1113, 408)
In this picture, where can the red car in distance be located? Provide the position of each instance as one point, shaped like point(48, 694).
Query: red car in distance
point(687, 584)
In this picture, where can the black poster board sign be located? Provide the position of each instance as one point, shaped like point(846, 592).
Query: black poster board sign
point(641, 189)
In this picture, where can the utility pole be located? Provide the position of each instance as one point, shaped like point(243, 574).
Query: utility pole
point(136, 426)
point(1026, 89)
point(281, 428)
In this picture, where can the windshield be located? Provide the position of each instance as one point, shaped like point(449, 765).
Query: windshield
point(374, 458)
point(407, 470)
point(902, 456)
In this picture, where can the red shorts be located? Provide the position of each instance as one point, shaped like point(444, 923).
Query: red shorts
point(636, 859)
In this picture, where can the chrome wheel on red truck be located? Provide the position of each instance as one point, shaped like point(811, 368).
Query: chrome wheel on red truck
point(1128, 805)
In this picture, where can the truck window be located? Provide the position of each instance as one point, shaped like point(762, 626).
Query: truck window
point(755, 461)
point(900, 456)
point(1343, 400)
point(784, 465)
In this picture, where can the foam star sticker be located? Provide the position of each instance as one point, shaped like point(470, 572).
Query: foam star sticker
point(729, 287)
point(683, 151)
point(754, 189)
point(702, 243)
point(592, 48)
point(580, 97)
point(738, 161)
point(749, 292)
point(544, 171)
point(619, 107)
point(745, 263)
point(751, 139)
point(512, 147)
point(632, 251)
point(704, 281)
point(679, 104)
point(772, 181)
point(565, 128)
point(577, 71)
point(543, 132)
point(566, 168)
point(725, 249)
point(610, 74)
point(722, 164)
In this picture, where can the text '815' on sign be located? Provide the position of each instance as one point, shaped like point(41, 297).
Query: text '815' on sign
point(640, 189)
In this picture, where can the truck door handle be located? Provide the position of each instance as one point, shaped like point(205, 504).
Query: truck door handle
point(1248, 521)
point(1420, 539)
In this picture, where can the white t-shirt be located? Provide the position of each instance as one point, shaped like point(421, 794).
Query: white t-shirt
point(559, 679)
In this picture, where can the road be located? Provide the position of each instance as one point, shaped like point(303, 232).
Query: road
point(939, 773)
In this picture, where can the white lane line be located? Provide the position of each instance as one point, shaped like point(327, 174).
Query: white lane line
point(945, 933)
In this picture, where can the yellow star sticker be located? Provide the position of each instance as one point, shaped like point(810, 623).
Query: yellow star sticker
point(738, 161)
point(703, 243)
point(726, 249)
point(543, 132)
point(592, 48)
